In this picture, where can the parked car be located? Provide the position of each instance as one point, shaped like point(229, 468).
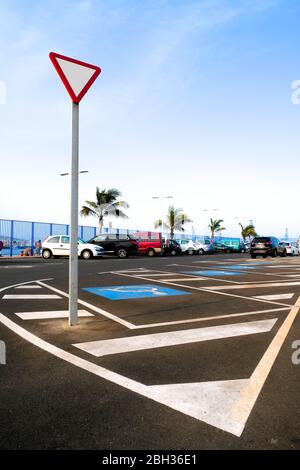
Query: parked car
point(149, 243)
point(189, 247)
point(171, 247)
point(116, 244)
point(265, 246)
point(59, 245)
point(203, 248)
point(291, 248)
point(222, 248)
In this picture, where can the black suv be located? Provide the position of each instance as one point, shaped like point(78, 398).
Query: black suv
point(267, 246)
point(116, 244)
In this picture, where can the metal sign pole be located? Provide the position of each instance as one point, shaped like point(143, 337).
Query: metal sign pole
point(73, 261)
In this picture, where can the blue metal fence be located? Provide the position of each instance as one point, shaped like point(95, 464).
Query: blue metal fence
point(17, 235)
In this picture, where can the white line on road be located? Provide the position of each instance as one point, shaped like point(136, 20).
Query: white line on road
point(275, 296)
point(50, 314)
point(255, 286)
point(28, 287)
point(216, 317)
point(30, 296)
point(174, 338)
point(208, 289)
point(15, 267)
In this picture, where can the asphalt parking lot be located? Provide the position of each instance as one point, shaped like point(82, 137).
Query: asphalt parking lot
point(191, 352)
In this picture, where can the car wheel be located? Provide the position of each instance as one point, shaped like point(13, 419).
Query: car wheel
point(253, 256)
point(86, 254)
point(191, 251)
point(47, 254)
point(122, 253)
point(274, 254)
point(264, 256)
point(201, 251)
point(151, 252)
point(283, 254)
point(173, 253)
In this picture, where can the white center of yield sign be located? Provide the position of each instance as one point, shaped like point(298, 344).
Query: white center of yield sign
point(77, 75)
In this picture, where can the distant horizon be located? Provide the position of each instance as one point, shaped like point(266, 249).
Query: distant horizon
point(198, 100)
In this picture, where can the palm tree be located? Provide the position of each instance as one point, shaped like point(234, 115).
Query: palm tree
point(215, 227)
point(106, 204)
point(248, 231)
point(175, 220)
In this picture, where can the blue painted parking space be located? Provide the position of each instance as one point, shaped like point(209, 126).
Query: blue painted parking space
point(213, 273)
point(134, 291)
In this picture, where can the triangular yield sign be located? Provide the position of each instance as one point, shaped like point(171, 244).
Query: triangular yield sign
point(210, 402)
point(77, 76)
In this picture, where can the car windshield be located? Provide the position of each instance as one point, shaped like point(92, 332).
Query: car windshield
point(262, 239)
point(80, 241)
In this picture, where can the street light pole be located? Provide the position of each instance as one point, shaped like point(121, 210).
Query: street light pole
point(162, 211)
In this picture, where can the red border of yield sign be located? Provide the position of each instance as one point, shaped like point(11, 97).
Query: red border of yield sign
point(76, 99)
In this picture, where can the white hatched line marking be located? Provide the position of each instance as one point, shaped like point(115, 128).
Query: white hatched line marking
point(50, 314)
point(30, 296)
point(243, 407)
point(174, 338)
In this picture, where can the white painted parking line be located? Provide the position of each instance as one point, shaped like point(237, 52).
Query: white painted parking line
point(208, 289)
point(275, 296)
point(50, 314)
point(216, 317)
point(254, 286)
point(155, 274)
point(30, 296)
point(15, 267)
point(28, 287)
point(174, 338)
point(185, 279)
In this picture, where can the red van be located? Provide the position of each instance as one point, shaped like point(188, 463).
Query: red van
point(150, 243)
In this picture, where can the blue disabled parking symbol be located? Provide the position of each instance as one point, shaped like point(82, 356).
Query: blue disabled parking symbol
point(138, 291)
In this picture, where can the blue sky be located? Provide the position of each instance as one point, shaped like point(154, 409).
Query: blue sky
point(194, 100)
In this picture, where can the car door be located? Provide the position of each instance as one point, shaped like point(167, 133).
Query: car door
point(53, 244)
point(112, 243)
point(100, 240)
point(64, 245)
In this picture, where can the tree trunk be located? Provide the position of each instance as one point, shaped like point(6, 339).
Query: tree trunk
point(100, 225)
